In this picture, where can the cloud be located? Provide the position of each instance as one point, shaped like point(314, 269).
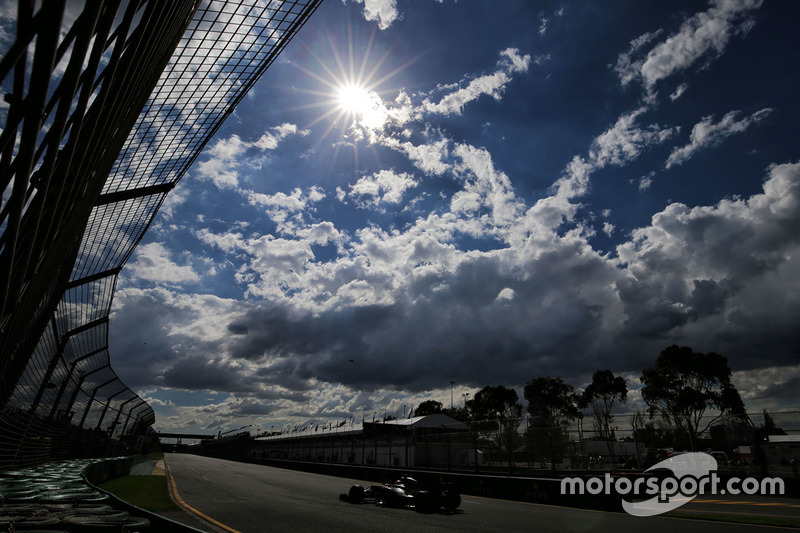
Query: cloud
point(511, 62)
point(399, 302)
point(628, 67)
point(707, 133)
point(618, 145)
point(487, 287)
point(226, 155)
point(385, 186)
point(678, 91)
point(377, 120)
point(414, 311)
point(288, 211)
point(384, 12)
point(153, 263)
point(624, 141)
point(703, 36)
point(644, 182)
point(158, 328)
point(707, 273)
point(490, 187)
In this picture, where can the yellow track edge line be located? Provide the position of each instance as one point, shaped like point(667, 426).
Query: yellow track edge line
point(189, 507)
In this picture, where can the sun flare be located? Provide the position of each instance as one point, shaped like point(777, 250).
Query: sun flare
point(354, 99)
point(353, 87)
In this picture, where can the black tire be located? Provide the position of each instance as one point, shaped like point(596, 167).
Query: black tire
point(99, 523)
point(425, 502)
point(451, 499)
point(356, 494)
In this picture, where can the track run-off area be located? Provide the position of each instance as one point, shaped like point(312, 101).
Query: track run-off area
point(250, 498)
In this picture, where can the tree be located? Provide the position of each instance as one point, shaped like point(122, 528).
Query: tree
point(428, 407)
point(683, 385)
point(500, 410)
point(768, 427)
point(601, 394)
point(552, 403)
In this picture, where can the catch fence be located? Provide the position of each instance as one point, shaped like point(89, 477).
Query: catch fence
point(107, 104)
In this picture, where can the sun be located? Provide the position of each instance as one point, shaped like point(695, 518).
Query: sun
point(361, 104)
point(354, 98)
point(353, 90)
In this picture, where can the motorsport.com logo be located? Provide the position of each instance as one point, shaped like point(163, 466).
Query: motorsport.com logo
point(691, 474)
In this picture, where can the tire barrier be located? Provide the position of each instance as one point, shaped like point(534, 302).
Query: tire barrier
point(56, 497)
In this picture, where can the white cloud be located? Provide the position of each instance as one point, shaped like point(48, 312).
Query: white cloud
point(491, 84)
point(543, 22)
point(429, 158)
point(624, 141)
point(702, 265)
point(644, 182)
point(490, 185)
point(174, 199)
point(376, 119)
point(416, 293)
point(679, 90)
point(270, 140)
point(628, 67)
point(385, 186)
point(619, 145)
point(505, 294)
point(708, 133)
point(153, 263)
point(702, 36)
point(286, 210)
point(226, 155)
point(384, 12)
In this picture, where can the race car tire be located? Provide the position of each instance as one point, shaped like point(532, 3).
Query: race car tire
point(356, 494)
point(425, 502)
point(451, 500)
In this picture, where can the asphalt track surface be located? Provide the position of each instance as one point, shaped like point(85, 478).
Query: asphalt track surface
point(254, 499)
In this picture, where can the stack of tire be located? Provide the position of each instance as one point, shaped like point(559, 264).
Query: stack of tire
point(54, 498)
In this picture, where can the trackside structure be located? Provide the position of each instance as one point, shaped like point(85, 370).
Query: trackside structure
point(415, 442)
point(105, 106)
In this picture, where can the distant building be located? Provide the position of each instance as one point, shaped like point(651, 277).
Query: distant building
point(781, 449)
point(432, 440)
point(621, 450)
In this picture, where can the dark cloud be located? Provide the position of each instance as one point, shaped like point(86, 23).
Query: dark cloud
point(785, 390)
point(401, 303)
point(199, 372)
point(495, 318)
point(238, 329)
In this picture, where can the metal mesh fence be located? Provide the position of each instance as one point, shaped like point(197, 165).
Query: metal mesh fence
point(107, 105)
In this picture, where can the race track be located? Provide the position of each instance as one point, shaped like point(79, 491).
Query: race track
point(253, 499)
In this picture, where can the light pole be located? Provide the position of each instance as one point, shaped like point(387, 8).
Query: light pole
point(451, 393)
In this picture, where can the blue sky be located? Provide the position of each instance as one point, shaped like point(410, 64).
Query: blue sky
point(545, 188)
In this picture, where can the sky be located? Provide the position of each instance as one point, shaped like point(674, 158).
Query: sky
point(425, 192)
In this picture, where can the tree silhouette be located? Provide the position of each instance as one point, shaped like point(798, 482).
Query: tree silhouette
point(601, 394)
point(500, 410)
point(552, 403)
point(683, 385)
point(428, 407)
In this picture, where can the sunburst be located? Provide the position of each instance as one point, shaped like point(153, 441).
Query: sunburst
point(353, 96)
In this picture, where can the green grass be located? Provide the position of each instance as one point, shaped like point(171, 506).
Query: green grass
point(142, 458)
point(148, 492)
point(739, 518)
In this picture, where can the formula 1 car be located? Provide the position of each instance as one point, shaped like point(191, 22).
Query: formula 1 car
point(407, 492)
